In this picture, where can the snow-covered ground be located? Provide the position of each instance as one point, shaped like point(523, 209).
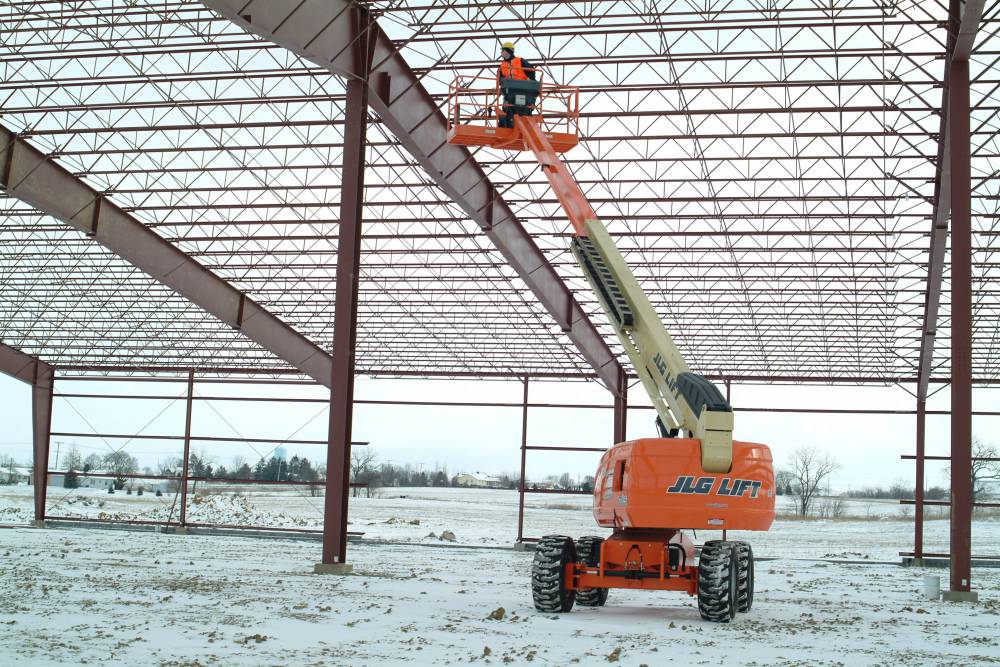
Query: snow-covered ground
point(73, 596)
point(876, 530)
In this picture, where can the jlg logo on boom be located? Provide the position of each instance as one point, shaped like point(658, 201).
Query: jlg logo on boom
point(705, 486)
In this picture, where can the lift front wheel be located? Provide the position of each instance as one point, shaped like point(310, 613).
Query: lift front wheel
point(548, 574)
point(718, 575)
point(588, 552)
point(744, 584)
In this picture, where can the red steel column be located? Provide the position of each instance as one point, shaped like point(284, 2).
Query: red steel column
point(41, 424)
point(338, 458)
point(621, 409)
point(918, 507)
point(187, 448)
point(524, 456)
point(961, 329)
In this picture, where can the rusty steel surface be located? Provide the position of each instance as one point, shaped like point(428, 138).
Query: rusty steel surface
point(773, 186)
point(21, 366)
point(960, 42)
point(524, 462)
point(961, 329)
point(186, 453)
point(41, 427)
point(918, 479)
point(620, 426)
point(345, 316)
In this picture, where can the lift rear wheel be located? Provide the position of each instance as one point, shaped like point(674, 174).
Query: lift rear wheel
point(718, 575)
point(744, 584)
point(588, 552)
point(548, 574)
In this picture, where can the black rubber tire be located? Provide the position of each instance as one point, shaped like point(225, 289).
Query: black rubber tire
point(588, 552)
point(718, 571)
point(744, 584)
point(548, 574)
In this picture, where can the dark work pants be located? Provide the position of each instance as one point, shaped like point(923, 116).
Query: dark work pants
point(509, 110)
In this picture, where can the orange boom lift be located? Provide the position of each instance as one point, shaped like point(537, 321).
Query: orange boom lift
point(647, 491)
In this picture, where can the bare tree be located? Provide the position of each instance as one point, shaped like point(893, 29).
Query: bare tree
point(169, 467)
point(318, 488)
point(8, 469)
point(199, 465)
point(120, 464)
point(783, 482)
point(810, 470)
point(363, 469)
point(73, 460)
point(93, 462)
point(983, 470)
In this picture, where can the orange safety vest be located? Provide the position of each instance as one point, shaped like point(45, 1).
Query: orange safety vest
point(513, 64)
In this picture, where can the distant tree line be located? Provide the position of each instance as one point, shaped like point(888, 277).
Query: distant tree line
point(898, 491)
point(270, 469)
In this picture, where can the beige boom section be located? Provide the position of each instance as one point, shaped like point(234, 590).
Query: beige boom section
point(683, 400)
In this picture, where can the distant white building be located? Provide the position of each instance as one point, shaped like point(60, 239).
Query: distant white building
point(16, 475)
point(478, 480)
point(83, 482)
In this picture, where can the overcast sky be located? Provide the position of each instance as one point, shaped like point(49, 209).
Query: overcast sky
point(486, 439)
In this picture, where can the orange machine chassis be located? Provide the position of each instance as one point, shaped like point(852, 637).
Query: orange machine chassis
point(659, 560)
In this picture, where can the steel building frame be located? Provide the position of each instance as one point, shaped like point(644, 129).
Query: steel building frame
point(195, 188)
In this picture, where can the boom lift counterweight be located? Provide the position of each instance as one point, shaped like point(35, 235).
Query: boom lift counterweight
point(646, 490)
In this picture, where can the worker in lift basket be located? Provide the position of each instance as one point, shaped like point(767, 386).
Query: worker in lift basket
point(515, 99)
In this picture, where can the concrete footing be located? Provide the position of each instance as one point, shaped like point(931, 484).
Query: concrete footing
point(960, 596)
point(524, 546)
point(38, 523)
point(333, 568)
point(181, 530)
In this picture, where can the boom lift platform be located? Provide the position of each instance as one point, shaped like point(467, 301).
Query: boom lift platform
point(647, 491)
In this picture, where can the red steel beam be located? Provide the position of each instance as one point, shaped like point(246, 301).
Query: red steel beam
point(41, 377)
point(29, 175)
point(620, 410)
point(322, 32)
point(187, 447)
point(346, 306)
point(940, 555)
point(918, 514)
point(21, 366)
point(524, 461)
point(961, 329)
point(510, 374)
point(41, 428)
point(962, 33)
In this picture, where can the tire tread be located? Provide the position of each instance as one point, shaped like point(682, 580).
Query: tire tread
point(715, 601)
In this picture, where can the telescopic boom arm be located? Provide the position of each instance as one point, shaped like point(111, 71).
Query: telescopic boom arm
point(683, 400)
